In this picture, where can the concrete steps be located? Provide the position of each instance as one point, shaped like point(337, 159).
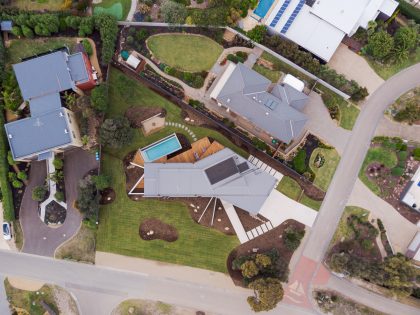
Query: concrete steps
point(259, 230)
point(261, 165)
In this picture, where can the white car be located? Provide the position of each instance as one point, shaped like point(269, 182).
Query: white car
point(7, 232)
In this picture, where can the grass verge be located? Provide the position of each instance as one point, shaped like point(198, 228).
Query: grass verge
point(289, 187)
point(325, 173)
point(272, 75)
point(344, 231)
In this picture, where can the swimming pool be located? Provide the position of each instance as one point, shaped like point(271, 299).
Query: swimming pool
point(161, 148)
point(263, 7)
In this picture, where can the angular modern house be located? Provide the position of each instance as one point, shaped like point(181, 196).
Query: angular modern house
point(412, 195)
point(274, 108)
point(319, 26)
point(51, 127)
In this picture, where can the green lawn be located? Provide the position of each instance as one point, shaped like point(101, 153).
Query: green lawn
point(343, 229)
point(31, 5)
point(325, 173)
point(272, 75)
point(117, 8)
point(118, 231)
point(289, 187)
point(191, 53)
point(387, 71)
point(23, 48)
point(382, 156)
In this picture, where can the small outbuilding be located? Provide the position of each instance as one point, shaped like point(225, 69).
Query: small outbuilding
point(133, 61)
point(294, 82)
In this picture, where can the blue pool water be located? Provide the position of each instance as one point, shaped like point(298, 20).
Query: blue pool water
point(161, 148)
point(263, 7)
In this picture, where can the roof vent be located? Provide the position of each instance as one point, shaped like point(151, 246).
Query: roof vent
point(61, 114)
point(266, 113)
point(228, 100)
point(66, 131)
point(10, 136)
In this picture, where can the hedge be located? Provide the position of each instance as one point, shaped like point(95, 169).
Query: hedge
point(409, 11)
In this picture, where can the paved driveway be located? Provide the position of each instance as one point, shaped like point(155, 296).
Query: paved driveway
point(38, 237)
point(355, 67)
point(390, 128)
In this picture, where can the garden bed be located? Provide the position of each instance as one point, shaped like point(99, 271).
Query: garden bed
point(107, 196)
point(136, 115)
point(154, 229)
point(55, 213)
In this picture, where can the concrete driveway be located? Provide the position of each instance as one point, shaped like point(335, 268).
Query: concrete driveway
point(355, 67)
point(38, 237)
point(391, 128)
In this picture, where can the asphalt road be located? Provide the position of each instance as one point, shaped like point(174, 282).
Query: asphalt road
point(351, 161)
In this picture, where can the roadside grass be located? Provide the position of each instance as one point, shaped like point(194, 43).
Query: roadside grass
point(289, 187)
point(380, 155)
point(197, 246)
point(118, 8)
point(325, 173)
point(344, 231)
point(387, 71)
point(81, 247)
point(125, 92)
point(185, 52)
point(149, 307)
point(348, 111)
point(23, 48)
point(18, 234)
point(38, 5)
point(30, 300)
point(272, 75)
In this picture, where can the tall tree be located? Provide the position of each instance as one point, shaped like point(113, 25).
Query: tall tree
point(173, 12)
point(268, 292)
point(380, 45)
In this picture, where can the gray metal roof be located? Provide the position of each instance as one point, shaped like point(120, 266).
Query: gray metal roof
point(247, 190)
point(43, 75)
point(6, 25)
point(77, 67)
point(44, 104)
point(246, 93)
point(38, 134)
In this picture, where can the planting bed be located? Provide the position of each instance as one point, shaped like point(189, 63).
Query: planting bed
point(154, 229)
point(54, 213)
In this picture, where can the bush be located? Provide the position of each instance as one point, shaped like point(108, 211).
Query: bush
point(10, 159)
point(102, 181)
point(397, 171)
point(257, 33)
point(87, 47)
point(416, 154)
point(39, 193)
point(99, 98)
point(299, 162)
point(58, 163)
point(17, 184)
point(59, 196)
point(22, 176)
point(259, 144)
point(409, 11)
point(268, 293)
point(11, 176)
point(116, 132)
point(87, 198)
point(249, 269)
point(292, 238)
point(366, 244)
point(381, 225)
point(402, 155)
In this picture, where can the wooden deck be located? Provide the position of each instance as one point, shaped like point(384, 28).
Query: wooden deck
point(192, 155)
point(141, 184)
point(138, 159)
point(213, 148)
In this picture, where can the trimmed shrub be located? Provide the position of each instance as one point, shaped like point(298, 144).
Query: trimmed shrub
point(87, 47)
point(59, 196)
point(17, 184)
point(397, 171)
point(39, 193)
point(292, 238)
point(299, 162)
point(58, 163)
point(22, 176)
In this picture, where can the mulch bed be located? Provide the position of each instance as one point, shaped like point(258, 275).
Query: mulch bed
point(107, 196)
point(55, 213)
point(132, 173)
point(249, 222)
point(161, 231)
point(136, 114)
point(263, 243)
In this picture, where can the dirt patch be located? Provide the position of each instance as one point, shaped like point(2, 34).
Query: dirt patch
point(137, 114)
point(25, 283)
point(55, 213)
point(107, 196)
point(264, 243)
point(132, 173)
point(152, 229)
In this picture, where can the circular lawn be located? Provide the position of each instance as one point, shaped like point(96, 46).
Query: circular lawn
point(186, 52)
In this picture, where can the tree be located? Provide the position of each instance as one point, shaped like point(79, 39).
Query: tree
point(87, 47)
point(380, 45)
point(406, 37)
point(249, 269)
point(257, 33)
point(108, 29)
point(99, 98)
point(173, 12)
point(22, 176)
point(268, 292)
point(262, 261)
point(87, 198)
point(58, 163)
point(116, 132)
point(86, 26)
point(399, 274)
point(39, 193)
point(102, 181)
point(292, 238)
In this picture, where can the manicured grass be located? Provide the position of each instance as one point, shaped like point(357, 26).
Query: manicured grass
point(325, 173)
point(381, 155)
point(30, 301)
point(387, 71)
point(348, 114)
point(343, 229)
point(23, 48)
point(117, 8)
point(118, 231)
point(31, 5)
point(272, 75)
point(191, 53)
point(289, 187)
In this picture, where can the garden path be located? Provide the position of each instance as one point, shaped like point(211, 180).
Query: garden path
point(391, 128)
point(133, 8)
point(400, 231)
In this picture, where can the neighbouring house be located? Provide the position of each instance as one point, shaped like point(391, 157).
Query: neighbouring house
point(413, 250)
point(319, 26)
point(51, 127)
point(412, 195)
point(274, 108)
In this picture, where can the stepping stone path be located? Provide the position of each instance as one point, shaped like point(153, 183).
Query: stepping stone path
point(177, 125)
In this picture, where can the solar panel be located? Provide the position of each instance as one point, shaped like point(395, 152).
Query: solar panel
point(280, 13)
point(221, 171)
point(293, 16)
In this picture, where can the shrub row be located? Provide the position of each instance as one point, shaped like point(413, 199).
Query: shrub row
point(193, 79)
point(409, 11)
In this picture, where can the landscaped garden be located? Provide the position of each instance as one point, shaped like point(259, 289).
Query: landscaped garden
point(406, 109)
point(291, 188)
point(118, 8)
point(191, 53)
point(120, 220)
point(323, 162)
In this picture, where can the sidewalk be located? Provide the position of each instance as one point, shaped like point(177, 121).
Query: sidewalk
point(166, 270)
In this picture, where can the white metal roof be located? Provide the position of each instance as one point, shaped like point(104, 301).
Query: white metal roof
point(414, 247)
point(412, 196)
point(294, 82)
point(133, 61)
